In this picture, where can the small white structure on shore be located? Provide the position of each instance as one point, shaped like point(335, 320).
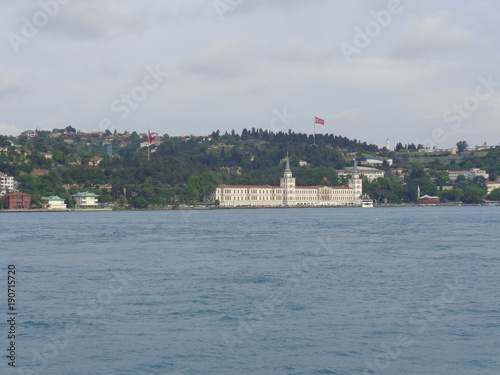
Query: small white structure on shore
point(55, 203)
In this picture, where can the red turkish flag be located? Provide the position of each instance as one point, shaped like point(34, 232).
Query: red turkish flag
point(318, 120)
point(150, 137)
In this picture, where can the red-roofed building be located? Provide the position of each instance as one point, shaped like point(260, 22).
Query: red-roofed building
point(18, 201)
point(105, 187)
point(426, 199)
point(95, 161)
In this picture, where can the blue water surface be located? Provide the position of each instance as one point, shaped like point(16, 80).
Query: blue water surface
point(411, 290)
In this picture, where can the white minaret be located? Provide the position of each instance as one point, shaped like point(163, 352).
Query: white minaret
point(356, 184)
point(418, 191)
point(387, 145)
point(287, 183)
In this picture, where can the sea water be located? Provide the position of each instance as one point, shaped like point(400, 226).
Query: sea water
point(411, 290)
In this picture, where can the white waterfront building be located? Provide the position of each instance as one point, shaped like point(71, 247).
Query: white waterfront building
point(55, 203)
point(290, 195)
point(85, 200)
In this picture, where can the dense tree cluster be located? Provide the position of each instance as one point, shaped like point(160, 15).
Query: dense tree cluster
point(187, 169)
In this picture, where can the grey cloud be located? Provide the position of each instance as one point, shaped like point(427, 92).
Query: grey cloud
point(299, 50)
point(266, 53)
point(431, 35)
point(227, 59)
point(97, 19)
point(10, 129)
point(12, 84)
point(247, 6)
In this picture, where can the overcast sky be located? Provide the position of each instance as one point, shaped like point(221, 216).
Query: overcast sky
point(412, 70)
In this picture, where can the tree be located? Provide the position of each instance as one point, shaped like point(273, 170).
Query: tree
point(40, 144)
point(199, 187)
point(417, 171)
point(139, 202)
point(494, 195)
point(59, 156)
point(435, 164)
point(122, 201)
point(453, 195)
point(462, 182)
point(4, 141)
point(387, 189)
point(3, 204)
point(462, 146)
point(440, 178)
point(473, 194)
point(28, 184)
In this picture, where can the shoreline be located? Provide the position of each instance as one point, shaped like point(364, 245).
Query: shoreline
point(197, 208)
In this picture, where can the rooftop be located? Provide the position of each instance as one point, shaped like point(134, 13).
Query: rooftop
point(361, 169)
point(53, 198)
point(84, 194)
point(249, 186)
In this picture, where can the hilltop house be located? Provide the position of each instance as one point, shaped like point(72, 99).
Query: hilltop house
point(95, 161)
point(471, 173)
point(370, 173)
point(492, 185)
point(373, 161)
point(6, 184)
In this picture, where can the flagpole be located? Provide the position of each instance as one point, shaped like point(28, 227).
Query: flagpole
point(314, 132)
point(320, 121)
point(150, 138)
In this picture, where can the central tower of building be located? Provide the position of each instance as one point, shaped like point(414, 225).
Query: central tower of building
point(356, 184)
point(287, 183)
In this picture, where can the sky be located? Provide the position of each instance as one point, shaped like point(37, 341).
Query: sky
point(411, 71)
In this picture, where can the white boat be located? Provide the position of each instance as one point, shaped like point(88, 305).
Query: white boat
point(366, 202)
